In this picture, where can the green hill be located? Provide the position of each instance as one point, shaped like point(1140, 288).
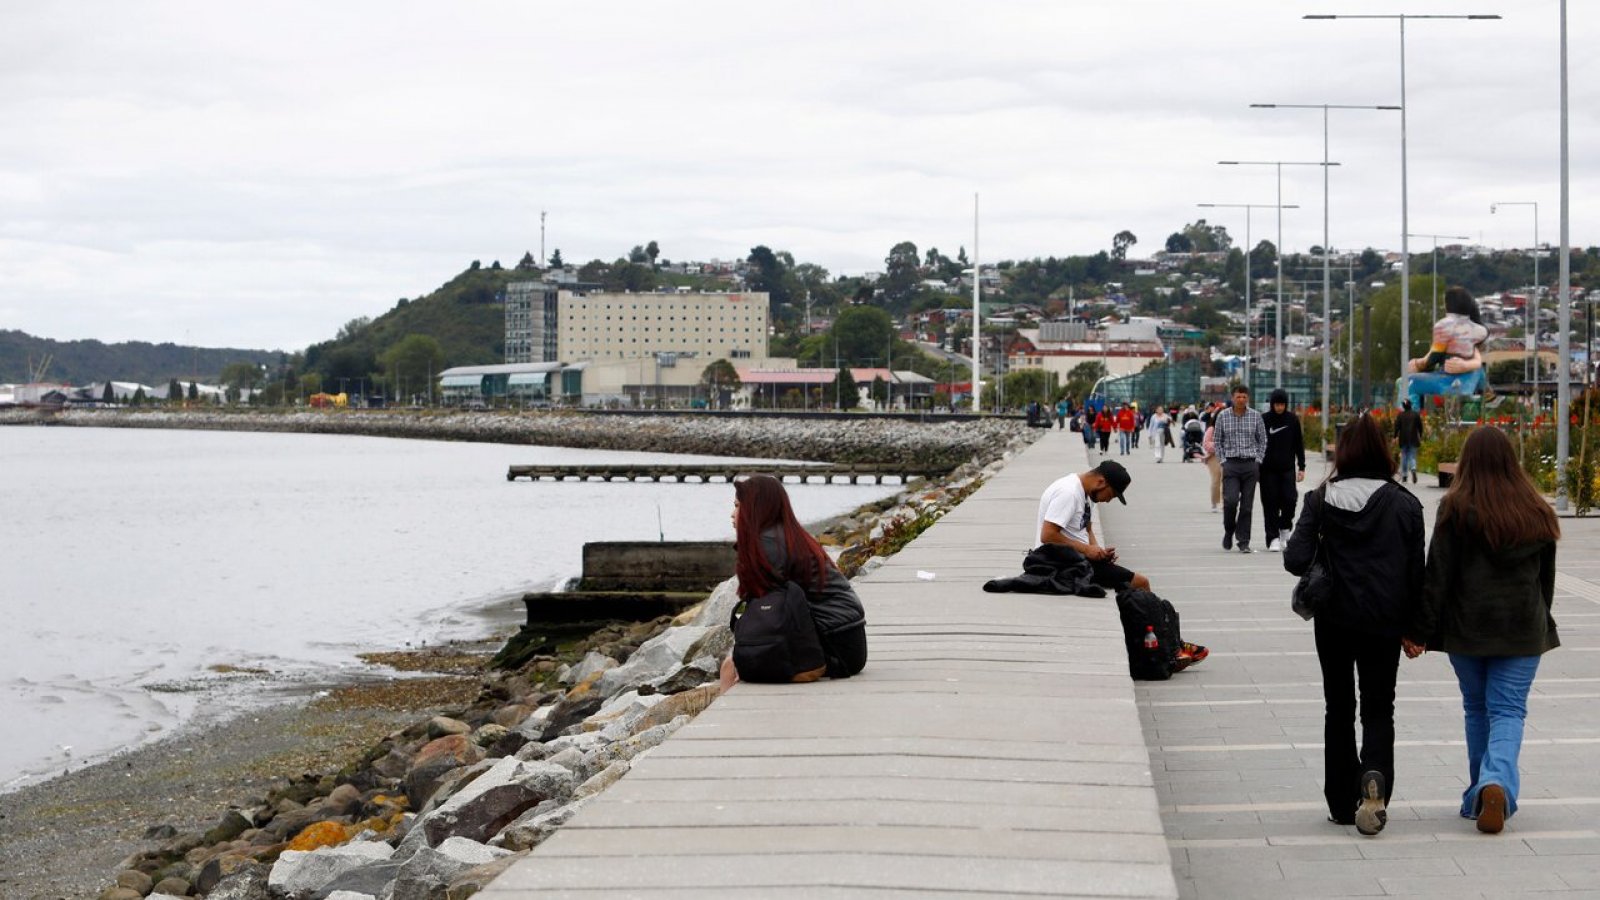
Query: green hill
point(80, 362)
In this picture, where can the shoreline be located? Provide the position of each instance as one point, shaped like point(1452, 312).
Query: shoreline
point(67, 835)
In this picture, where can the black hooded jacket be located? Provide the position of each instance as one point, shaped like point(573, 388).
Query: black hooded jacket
point(1372, 530)
point(1286, 444)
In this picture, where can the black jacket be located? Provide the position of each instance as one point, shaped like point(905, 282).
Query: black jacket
point(1373, 534)
point(1050, 569)
point(1286, 445)
point(835, 607)
point(1484, 602)
point(1408, 428)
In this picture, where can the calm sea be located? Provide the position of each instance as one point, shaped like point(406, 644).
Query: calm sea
point(134, 564)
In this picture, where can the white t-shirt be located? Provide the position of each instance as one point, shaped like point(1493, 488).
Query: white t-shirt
point(1065, 505)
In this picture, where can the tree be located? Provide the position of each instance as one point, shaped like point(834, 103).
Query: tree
point(766, 274)
point(310, 383)
point(880, 389)
point(720, 379)
point(1204, 238)
point(109, 395)
point(241, 376)
point(1262, 259)
point(849, 396)
point(139, 399)
point(1082, 378)
point(556, 262)
point(174, 391)
point(1120, 242)
point(652, 250)
point(862, 333)
point(526, 263)
point(1178, 242)
point(903, 271)
point(194, 392)
point(411, 364)
point(495, 266)
point(637, 254)
point(353, 328)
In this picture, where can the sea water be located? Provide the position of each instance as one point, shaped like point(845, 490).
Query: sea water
point(146, 575)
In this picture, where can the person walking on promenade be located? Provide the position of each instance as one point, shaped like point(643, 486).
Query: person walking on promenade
point(1126, 427)
point(1086, 427)
point(1160, 425)
point(1241, 441)
point(1104, 421)
point(1486, 602)
point(1283, 468)
point(772, 547)
point(1063, 410)
point(1208, 446)
point(1370, 532)
point(1408, 434)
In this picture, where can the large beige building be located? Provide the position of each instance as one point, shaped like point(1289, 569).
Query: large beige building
point(544, 324)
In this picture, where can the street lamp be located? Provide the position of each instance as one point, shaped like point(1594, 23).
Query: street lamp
point(1436, 237)
point(1531, 339)
point(1247, 207)
point(1277, 376)
point(1327, 277)
point(1405, 220)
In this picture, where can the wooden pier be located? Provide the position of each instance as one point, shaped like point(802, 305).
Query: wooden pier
point(869, 473)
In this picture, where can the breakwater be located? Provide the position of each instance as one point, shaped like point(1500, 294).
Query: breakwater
point(945, 443)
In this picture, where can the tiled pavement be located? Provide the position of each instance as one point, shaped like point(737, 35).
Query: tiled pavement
point(1235, 743)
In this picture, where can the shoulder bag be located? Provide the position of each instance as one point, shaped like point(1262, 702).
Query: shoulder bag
point(1314, 591)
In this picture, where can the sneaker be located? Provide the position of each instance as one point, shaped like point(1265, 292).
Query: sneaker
point(1245, 548)
point(1216, 509)
point(1491, 809)
point(1372, 815)
point(1192, 652)
point(1227, 542)
point(1275, 545)
point(1413, 476)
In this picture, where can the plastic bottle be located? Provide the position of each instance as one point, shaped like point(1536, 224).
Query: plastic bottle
point(1150, 641)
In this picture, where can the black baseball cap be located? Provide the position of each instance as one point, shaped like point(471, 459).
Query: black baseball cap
point(1116, 476)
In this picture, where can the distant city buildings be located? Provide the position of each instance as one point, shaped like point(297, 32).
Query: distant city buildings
point(545, 323)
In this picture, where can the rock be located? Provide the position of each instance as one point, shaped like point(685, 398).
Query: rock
point(443, 726)
point(298, 875)
point(718, 608)
point(371, 880)
point(489, 735)
point(160, 833)
point(570, 758)
point(592, 664)
point(393, 765)
point(582, 742)
point(135, 881)
point(344, 801)
point(176, 887)
point(427, 874)
point(716, 643)
point(702, 670)
point(326, 833)
point(214, 872)
point(654, 658)
point(688, 703)
point(232, 824)
point(511, 716)
point(623, 709)
point(475, 879)
point(453, 782)
point(433, 761)
point(494, 799)
point(534, 827)
point(567, 713)
point(606, 778)
point(349, 895)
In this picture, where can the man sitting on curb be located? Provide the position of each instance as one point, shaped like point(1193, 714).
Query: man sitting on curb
point(1065, 511)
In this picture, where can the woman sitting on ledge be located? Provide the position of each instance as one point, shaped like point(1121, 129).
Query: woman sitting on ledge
point(772, 547)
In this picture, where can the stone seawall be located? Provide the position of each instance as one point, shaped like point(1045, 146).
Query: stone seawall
point(848, 439)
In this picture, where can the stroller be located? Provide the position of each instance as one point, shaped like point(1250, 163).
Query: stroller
point(1193, 435)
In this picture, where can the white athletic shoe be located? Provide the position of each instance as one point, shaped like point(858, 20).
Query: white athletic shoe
point(1275, 545)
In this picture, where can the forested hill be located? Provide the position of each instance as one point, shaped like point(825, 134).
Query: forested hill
point(81, 362)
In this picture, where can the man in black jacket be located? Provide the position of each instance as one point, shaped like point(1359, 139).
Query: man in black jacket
point(1408, 432)
point(1283, 467)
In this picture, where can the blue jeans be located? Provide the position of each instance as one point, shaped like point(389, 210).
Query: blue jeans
point(1408, 459)
point(1417, 385)
point(1124, 440)
point(1494, 694)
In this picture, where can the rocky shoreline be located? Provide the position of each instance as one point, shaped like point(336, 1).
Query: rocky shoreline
point(831, 438)
point(417, 787)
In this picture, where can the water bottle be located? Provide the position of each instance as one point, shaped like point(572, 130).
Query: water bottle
point(1150, 641)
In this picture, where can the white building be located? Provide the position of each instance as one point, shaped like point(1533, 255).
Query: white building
point(547, 324)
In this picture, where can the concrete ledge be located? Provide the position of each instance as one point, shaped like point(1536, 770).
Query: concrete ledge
point(992, 746)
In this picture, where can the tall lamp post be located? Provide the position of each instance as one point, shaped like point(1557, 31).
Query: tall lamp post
point(1532, 309)
point(1564, 299)
point(1247, 207)
point(1277, 366)
point(1405, 220)
point(1327, 277)
point(1436, 237)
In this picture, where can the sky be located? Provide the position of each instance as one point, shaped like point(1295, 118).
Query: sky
point(255, 174)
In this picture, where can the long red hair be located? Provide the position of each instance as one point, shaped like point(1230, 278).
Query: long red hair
point(764, 503)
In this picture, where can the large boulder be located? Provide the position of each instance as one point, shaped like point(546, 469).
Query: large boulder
point(592, 664)
point(656, 657)
point(248, 881)
point(718, 608)
point(474, 880)
point(299, 874)
point(429, 871)
point(495, 799)
point(437, 758)
point(534, 826)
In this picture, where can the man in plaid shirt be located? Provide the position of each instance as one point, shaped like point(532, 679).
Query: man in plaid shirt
point(1240, 436)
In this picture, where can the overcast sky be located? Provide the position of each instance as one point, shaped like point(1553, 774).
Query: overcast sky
point(256, 174)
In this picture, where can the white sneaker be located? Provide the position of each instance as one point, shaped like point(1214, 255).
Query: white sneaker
point(1275, 545)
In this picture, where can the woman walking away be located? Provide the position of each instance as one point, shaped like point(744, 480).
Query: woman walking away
point(1370, 532)
point(772, 547)
point(1160, 424)
point(1490, 583)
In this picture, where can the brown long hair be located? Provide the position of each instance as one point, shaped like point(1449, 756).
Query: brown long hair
point(1489, 484)
point(1362, 451)
point(764, 503)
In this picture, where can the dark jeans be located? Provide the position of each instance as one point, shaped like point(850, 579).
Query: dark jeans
point(1105, 440)
point(1278, 496)
point(1375, 661)
point(1239, 478)
point(846, 651)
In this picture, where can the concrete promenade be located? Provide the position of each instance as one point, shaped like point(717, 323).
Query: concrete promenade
point(992, 747)
point(1236, 743)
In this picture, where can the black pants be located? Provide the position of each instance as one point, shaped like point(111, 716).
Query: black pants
point(1375, 661)
point(1278, 496)
point(846, 651)
point(1105, 440)
point(1239, 478)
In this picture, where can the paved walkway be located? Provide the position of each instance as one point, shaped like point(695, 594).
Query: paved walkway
point(992, 747)
point(1236, 748)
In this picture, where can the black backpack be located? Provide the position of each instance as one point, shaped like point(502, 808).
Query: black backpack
point(1143, 613)
point(775, 639)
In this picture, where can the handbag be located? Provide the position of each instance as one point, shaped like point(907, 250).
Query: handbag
point(1314, 591)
